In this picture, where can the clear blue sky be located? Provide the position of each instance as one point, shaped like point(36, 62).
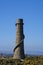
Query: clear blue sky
point(32, 13)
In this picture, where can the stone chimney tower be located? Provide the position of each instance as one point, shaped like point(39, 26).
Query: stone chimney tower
point(19, 48)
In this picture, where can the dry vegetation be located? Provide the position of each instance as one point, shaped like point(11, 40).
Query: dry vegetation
point(36, 60)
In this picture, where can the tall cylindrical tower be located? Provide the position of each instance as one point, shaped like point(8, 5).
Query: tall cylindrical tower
point(19, 48)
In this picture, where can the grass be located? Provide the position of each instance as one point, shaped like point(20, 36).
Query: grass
point(32, 60)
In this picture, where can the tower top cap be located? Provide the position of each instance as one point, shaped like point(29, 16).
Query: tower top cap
point(19, 20)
